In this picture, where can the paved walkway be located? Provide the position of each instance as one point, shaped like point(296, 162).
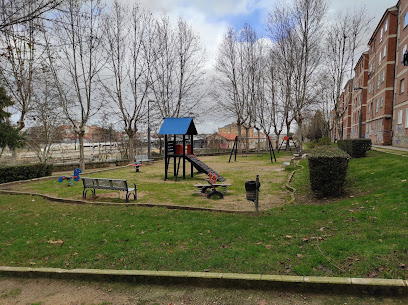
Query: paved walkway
point(390, 148)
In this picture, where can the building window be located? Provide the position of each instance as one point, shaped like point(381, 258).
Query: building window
point(399, 122)
point(405, 20)
point(402, 86)
point(406, 118)
point(381, 102)
point(368, 108)
point(381, 34)
point(386, 25)
point(385, 51)
point(404, 49)
point(378, 82)
point(379, 59)
point(382, 76)
point(376, 106)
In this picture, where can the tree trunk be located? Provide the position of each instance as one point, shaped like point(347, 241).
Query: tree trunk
point(287, 134)
point(81, 152)
point(239, 127)
point(14, 156)
point(300, 126)
point(259, 141)
point(131, 145)
point(247, 139)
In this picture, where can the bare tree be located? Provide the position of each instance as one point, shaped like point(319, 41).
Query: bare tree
point(177, 71)
point(271, 110)
point(228, 89)
point(283, 61)
point(128, 49)
point(45, 117)
point(238, 79)
point(14, 12)
point(344, 37)
point(75, 60)
point(309, 19)
point(18, 65)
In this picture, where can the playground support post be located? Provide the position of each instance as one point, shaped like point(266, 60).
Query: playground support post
point(184, 157)
point(166, 165)
point(192, 152)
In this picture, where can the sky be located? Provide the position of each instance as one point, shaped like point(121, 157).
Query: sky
point(211, 18)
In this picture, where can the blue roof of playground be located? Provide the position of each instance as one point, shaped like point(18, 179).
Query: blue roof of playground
point(178, 126)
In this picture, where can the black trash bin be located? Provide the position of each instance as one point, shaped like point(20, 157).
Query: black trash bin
point(251, 189)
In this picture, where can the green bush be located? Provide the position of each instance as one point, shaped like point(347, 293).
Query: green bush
point(324, 141)
point(24, 172)
point(356, 148)
point(327, 170)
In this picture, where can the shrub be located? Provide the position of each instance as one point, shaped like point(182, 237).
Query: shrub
point(324, 141)
point(356, 148)
point(327, 170)
point(24, 172)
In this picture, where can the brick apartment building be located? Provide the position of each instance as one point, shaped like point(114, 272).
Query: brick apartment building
point(400, 114)
point(347, 101)
point(382, 47)
point(379, 92)
point(359, 104)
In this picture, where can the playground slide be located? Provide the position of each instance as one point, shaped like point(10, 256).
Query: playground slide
point(202, 167)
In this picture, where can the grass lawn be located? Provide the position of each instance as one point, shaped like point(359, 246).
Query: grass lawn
point(363, 234)
point(153, 189)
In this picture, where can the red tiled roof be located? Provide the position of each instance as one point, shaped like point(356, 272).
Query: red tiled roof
point(228, 136)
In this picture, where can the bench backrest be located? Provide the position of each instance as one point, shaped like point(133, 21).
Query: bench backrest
point(141, 158)
point(103, 183)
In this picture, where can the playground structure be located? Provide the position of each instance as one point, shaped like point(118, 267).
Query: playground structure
point(234, 150)
point(173, 129)
point(75, 177)
point(287, 140)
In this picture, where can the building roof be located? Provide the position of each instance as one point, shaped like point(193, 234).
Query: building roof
point(363, 56)
point(228, 136)
point(387, 11)
point(178, 126)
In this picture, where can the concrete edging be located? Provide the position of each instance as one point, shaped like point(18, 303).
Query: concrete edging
point(136, 204)
point(226, 280)
point(291, 188)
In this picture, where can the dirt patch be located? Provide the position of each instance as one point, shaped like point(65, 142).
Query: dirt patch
point(46, 291)
point(152, 188)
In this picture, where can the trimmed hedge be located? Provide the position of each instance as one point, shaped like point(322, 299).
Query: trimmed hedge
point(327, 170)
point(356, 148)
point(24, 172)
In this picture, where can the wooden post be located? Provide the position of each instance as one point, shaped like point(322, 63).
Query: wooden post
point(184, 156)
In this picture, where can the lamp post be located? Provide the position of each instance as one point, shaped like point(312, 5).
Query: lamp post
point(148, 128)
point(360, 123)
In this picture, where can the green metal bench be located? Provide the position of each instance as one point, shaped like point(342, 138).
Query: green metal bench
point(92, 184)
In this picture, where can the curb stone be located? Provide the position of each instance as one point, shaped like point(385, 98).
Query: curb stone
point(136, 204)
point(291, 188)
point(395, 287)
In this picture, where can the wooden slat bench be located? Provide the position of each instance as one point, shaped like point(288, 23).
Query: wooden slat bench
point(91, 184)
point(142, 158)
